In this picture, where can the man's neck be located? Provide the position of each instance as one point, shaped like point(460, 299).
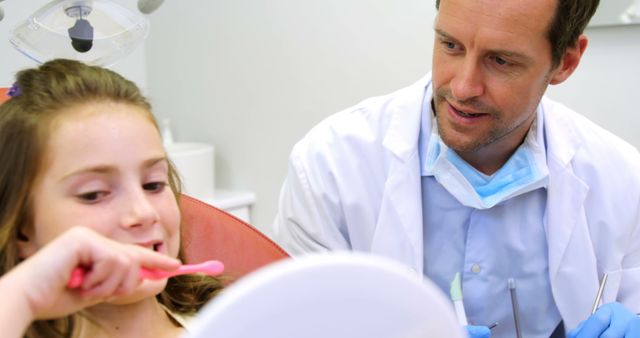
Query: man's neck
point(488, 161)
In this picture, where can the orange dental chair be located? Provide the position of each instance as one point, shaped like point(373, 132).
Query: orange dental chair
point(3, 94)
point(209, 233)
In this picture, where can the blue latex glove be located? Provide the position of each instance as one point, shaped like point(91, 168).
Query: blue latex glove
point(610, 320)
point(478, 331)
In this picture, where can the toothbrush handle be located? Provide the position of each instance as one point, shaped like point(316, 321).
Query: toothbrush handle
point(78, 274)
point(211, 268)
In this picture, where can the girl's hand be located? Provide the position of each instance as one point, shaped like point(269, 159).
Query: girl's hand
point(113, 270)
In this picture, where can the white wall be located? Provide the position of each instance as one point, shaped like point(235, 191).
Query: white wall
point(605, 86)
point(252, 77)
point(12, 61)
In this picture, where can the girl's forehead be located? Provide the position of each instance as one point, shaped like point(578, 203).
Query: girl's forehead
point(96, 110)
point(95, 133)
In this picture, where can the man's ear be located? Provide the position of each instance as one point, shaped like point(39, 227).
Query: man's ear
point(26, 242)
point(569, 61)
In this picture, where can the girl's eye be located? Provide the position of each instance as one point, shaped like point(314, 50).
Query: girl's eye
point(154, 186)
point(93, 196)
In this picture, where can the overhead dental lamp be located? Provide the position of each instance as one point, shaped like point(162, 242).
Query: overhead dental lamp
point(632, 14)
point(94, 31)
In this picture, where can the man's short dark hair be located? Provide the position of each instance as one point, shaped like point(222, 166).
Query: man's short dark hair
point(569, 21)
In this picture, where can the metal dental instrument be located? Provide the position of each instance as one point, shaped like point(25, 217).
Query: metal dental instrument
point(514, 305)
point(596, 304)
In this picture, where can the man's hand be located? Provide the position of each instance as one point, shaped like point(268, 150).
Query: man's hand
point(611, 320)
point(478, 331)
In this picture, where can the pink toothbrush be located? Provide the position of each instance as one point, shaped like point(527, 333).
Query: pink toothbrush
point(211, 268)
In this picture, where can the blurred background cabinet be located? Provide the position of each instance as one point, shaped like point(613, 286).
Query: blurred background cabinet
point(235, 202)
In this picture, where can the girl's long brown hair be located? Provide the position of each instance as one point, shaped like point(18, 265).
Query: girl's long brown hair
point(25, 120)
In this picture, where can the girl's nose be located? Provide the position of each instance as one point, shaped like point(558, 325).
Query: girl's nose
point(139, 211)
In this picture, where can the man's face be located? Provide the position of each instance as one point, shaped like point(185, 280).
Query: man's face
point(491, 66)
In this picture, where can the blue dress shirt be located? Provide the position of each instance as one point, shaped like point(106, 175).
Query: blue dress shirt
point(488, 247)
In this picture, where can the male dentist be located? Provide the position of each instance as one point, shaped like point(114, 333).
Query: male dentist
point(473, 170)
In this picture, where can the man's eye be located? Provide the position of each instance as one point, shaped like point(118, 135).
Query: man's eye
point(449, 44)
point(500, 61)
point(154, 186)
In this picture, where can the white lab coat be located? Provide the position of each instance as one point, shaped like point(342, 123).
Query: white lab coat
point(354, 184)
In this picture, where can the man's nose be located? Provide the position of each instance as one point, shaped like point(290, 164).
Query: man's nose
point(138, 209)
point(468, 81)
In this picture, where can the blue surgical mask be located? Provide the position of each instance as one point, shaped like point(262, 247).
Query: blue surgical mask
point(525, 171)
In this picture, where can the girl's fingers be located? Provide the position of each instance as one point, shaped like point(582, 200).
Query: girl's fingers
point(104, 278)
point(130, 281)
point(154, 260)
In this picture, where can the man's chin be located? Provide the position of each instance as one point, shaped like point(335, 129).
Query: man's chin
point(460, 144)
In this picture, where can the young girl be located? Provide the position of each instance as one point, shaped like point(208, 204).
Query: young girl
point(37, 287)
point(79, 147)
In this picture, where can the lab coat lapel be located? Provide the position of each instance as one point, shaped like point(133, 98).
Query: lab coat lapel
point(572, 261)
point(399, 227)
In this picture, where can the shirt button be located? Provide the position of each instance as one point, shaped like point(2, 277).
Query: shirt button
point(475, 268)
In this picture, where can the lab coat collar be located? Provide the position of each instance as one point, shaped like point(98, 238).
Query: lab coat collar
point(405, 114)
point(561, 133)
point(401, 204)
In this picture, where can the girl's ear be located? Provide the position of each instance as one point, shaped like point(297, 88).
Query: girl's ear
point(26, 245)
